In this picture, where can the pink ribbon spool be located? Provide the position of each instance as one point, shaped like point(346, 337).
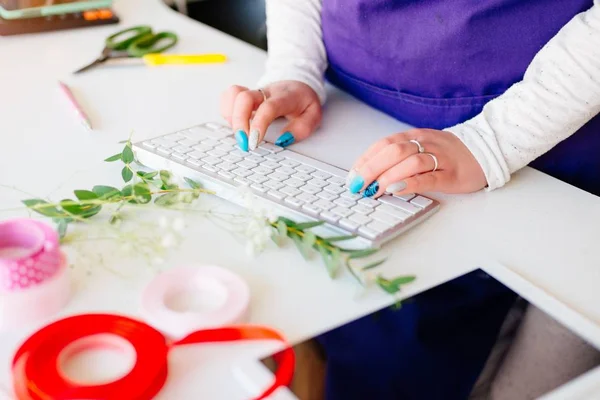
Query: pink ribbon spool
point(221, 298)
point(29, 254)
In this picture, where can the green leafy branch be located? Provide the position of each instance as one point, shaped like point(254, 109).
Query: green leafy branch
point(142, 187)
point(334, 256)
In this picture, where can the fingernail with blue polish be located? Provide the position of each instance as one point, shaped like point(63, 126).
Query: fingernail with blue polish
point(242, 140)
point(357, 183)
point(285, 140)
point(371, 189)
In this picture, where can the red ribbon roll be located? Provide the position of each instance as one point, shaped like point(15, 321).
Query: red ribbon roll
point(35, 366)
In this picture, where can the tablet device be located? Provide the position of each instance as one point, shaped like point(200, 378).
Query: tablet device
point(16, 9)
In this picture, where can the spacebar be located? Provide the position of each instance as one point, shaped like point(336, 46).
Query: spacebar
point(314, 163)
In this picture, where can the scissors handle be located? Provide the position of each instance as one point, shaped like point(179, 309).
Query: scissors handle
point(114, 42)
point(148, 44)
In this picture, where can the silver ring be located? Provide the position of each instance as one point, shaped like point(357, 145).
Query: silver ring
point(421, 149)
point(264, 94)
point(435, 161)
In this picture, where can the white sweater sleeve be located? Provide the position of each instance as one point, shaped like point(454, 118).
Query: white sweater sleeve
point(559, 93)
point(295, 40)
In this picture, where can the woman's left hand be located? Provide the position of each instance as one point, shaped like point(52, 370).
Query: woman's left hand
point(406, 163)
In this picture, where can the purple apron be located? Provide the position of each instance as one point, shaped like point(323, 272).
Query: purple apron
point(433, 64)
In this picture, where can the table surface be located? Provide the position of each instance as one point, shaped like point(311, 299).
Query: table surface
point(542, 228)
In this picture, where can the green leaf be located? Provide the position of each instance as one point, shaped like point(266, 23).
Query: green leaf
point(330, 263)
point(300, 245)
point(282, 228)
point(82, 210)
point(106, 192)
point(403, 280)
point(307, 225)
point(126, 174)
point(61, 227)
point(116, 157)
point(166, 199)
point(361, 253)
point(165, 176)
point(142, 193)
point(85, 195)
point(49, 211)
point(124, 141)
point(309, 240)
point(127, 155)
point(150, 175)
point(387, 285)
point(373, 265)
point(340, 238)
point(193, 184)
point(287, 221)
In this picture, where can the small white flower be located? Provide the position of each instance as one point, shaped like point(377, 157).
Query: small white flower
point(163, 222)
point(178, 224)
point(168, 241)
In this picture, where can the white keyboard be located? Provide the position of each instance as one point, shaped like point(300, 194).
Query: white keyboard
point(299, 187)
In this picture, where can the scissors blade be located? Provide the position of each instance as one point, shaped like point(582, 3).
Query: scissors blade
point(91, 65)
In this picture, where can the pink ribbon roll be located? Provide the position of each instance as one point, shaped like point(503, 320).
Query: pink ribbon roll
point(29, 254)
point(181, 300)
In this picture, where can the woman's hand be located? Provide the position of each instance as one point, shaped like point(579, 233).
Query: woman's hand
point(395, 165)
point(248, 111)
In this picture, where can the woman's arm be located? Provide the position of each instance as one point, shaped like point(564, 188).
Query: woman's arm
point(296, 50)
point(559, 93)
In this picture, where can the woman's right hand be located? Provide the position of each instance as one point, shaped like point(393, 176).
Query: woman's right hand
point(247, 111)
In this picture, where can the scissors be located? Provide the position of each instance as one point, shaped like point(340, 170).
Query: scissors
point(138, 42)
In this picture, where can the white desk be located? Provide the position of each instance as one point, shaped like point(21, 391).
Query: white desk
point(544, 229)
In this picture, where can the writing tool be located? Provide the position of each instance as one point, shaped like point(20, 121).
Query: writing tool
point(75, 105)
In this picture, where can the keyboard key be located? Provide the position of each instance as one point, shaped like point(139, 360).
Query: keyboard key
point(324, 204)
point(368, 232)
point(385, 218)
point(258, 178)
point(327, 196)
point(286, 170)
point(333, 189)
point(304, 169)
point(351, 196)
point(210, 168)
point(362, 209)
point(261, 152)
point(278, 176)
point(188, 142)
point(232, 159)
point(396, 202)
point(336, 181)
point(210, 142)
point(212, 126)
point(255, 159)
point(321, 175)
point(274, 157)
point(318, 182)
point(262, 170)
point(406, 197)
point(242, 172)
point(310, 189)
point(378, 226)
point(226, 166)
point(307, 198)
point(179, 156)
point(344, 202)
point(277, 195)
point(369, 202)
point(401, 214)
point(247, 164)
point(330, 217)
point(225, 147)
point(164, 143)
point(226, 175)
point(197, 154)
point(211, 160)
point(348, 224)
point(149, 145)
point(312, 209)
point(217, 153)
point(421, 201)
point(163, 150)
point(270, 148)
point(229, 140)
point(296, 183)
point(242, 181)
point(290, 191)
point(202, 148)
point(174, 137)
point(342, 212)
point(302, 176)
point(273, 184)
point(238, 153)
point(289, 163)
point(196, 134)
point(260, 188)
point(194, 162)
point(294, 201)
point(360, 219)
point(270, 164)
